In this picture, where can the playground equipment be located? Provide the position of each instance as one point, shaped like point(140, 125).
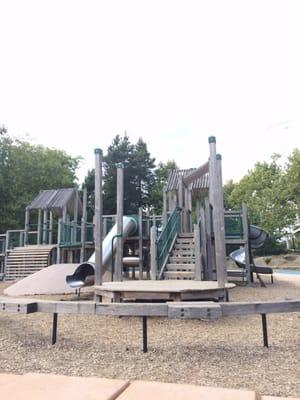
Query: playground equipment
point(87, 269)
point(188, 242)
point(257, 238)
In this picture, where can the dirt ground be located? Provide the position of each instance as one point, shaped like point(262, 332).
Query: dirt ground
point(227, 352)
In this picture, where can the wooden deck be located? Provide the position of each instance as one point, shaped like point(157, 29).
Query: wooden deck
point(164, 290)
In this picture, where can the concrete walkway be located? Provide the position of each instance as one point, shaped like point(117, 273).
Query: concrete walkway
point(59, 387)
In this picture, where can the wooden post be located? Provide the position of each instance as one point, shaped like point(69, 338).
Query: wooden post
point(26, 231)
point(58, 254)
point(75, 217)
point(140, 243)
point(50, 236)
point(170, 202)
point(216, 199)
point(203, 243)
point(83, 226)
point(198, 208)
point(45, 225)
point(198, 264)
point(247, 244)
point(39, 227)
point(153, 253)
point(211, 256)
point(98, 218)
point(120, 209)
point(164, 216)
point(180, 201)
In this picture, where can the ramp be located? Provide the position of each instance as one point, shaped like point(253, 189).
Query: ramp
point(24, 261)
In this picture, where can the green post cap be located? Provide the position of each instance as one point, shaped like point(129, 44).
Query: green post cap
point(120, 165)
point(218, 157)
point(98, 151)
point(212, 139)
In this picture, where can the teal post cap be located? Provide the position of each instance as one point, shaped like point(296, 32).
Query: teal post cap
point(212, 139)
point(98, 151)
point(120, 165)
point(218, 157)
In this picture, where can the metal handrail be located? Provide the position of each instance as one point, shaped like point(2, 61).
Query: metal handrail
point(166, 239)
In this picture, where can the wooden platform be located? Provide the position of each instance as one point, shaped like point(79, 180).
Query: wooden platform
point(164, 290)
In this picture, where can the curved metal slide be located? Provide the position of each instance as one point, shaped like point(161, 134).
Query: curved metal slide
point(257, 237)
point(85, 270)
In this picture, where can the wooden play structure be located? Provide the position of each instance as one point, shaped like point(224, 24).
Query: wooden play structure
point(187, 256)
point(182, 251)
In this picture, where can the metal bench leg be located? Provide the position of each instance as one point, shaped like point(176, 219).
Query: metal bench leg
point(265, 331)
point(145, 339)
point(54, 328)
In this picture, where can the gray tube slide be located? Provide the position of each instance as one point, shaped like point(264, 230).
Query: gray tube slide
point(86, 269)
point(257, 237)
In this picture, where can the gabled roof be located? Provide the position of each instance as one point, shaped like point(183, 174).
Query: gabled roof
point(198, 184)
point(55, 200)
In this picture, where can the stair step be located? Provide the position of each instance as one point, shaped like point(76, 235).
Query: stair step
point(186, 235)
point(181, 260)
point(182, 253)
point(179, 275)
point(185, 240)
point(180, 267)
point(182, 246)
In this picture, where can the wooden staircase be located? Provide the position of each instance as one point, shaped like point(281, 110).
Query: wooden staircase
point(24, 261)
point(181, 262)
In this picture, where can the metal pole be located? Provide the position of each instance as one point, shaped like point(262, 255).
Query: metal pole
point(54, 328)
point(265, 331)
point(145, 339)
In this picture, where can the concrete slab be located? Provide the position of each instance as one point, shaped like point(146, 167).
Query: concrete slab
point(50, 280)
point(171, 391)
point(58, 387)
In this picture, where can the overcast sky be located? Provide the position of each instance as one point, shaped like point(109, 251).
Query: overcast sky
point(73, 74)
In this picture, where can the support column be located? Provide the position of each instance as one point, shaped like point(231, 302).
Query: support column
point(181, 201)
point(153, 253)
point(216, 199)
point(198, 264)
point(45, 217)
point(164, 216)
point(39, 227)
point(83, 226)
point(50, 235)
point(247, 243)
point(26, 231)
point(140, 243)
point(120, 210)
point(98, 218)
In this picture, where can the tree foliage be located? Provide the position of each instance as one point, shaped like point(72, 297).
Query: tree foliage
point(161, 177)
point(270, 193)
point(25, 169)
point(138, 176)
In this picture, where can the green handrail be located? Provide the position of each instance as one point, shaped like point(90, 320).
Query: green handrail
point(166, 238)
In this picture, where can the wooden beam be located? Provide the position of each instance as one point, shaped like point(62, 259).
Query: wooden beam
point(153, 253)
point(83, 226)
point(247, 244)
point(140, 243)
point(216, 199)
point(260, 307)
point(26, 226)
point(198, 173)
point(118, 275)
point(98, 216)
point(198, 263)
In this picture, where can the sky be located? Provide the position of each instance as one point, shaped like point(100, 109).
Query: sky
point(75, 73)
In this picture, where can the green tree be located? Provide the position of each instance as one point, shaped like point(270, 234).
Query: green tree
point(266, 191)
point(25, 169)
point(228, 188)
point(293, 177)
point(138, 176)
point(161, 178)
